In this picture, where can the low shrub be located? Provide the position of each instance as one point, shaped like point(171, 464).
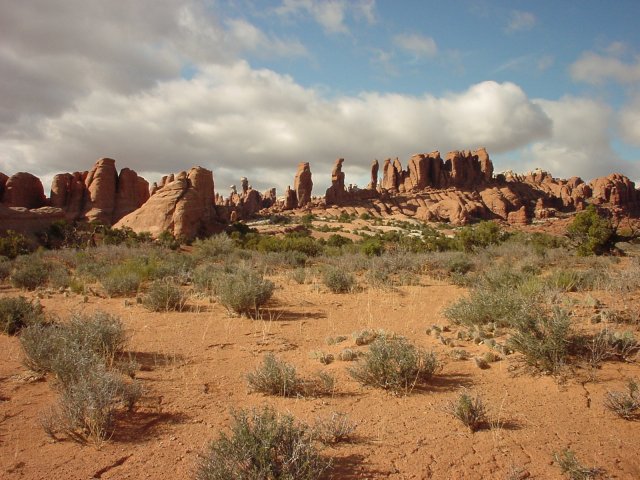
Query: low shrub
point(543, 339)
point(275, 377)
point(338, 280)
point(13, 244)
point(625, 404)
point(17, 313)
point(207, 277)
point(29, 272)
point(483, 306)
point(394, 364)
point(163, 296)
point(5, 268)
point(214, 247)
point(469, 410)
point(263, 445)
point(592, 233)
point(244, 291)
point(121, 281)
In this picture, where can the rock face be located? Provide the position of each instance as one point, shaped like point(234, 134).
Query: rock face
point(23, 190)
point(614, 189)
point(303, 184)
point(336, 192)
point(373, 185)
point(28, 221)
point(183, 206)
point(3, 182)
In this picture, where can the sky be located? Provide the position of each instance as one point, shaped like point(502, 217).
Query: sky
point(251, 88)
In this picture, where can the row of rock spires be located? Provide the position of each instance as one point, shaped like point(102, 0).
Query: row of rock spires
point(457, 189)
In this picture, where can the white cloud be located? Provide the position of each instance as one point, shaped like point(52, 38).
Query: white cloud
point(417, 45)
point(597, 69)
point(330, 14)
point(629, 122)
point(580, 141)
point(246, 36)
point(520, 21)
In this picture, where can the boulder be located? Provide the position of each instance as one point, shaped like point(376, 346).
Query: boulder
point(23, 190)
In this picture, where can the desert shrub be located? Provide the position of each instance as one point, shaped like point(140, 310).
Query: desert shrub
point(625, 404)
point(543, 339)
point(502, 307)
point(163, 296)
point(87, 406)
point(573, 469)
point(5, 268)
point(394, 364)
point(17, 313)
point(592, 233)
point(323, 357)
point(275, 377)
point(336, 240)
point(213, 247)
point(29, 272)
point(262, 445)
point(479, 236)
point(372, 247)
point(338, 280)
point(207, 277)
point(299, 275)
point(336, 428)
point(13, 244)
point(568, 280)
point(122, 281)
point(366, 336)
point(469, 410)
point(244, 291)
point(347, 355)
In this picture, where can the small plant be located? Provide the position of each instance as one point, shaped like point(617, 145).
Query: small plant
point(347, 355)
point(625, 404)
point(365, 337)
point(592, 233)
point(338, 280)
point(394, 364)
point(337, 339)
point(17, 313)
point(469, 410)
point(163, 296)
point(299, 275)
point(572, 468)
point(263, 445)
point(275, 377)
point(121, 281)
point(323, 357)
point(213, 247)
point(337, 428)
point(244, 292)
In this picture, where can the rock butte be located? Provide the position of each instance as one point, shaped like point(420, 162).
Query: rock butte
point(458, 189)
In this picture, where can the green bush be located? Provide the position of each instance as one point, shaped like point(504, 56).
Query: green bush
point(544, 340)
point(13, 244)
point(122, 280)
point(244, 291)
point(469, 410)
point(263, 445)
point(5, 268)
point(394, 364)
point(480, 236)
point(338, 280)
point(29, 272)
point(163, 296)
point(592, 233)
point(372, 247)
point(275, 377)
point(214, 247)
point(17, 313)
point(503, 307)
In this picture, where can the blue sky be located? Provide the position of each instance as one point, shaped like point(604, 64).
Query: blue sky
point(250, 88)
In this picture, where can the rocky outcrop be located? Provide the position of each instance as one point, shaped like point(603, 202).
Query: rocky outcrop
point(3, 182)
point(23, 190)
point(336, 192)
point(615, 189)
point(28, 221)
point(290, 199)
point(184, 207)
point(373, 184)
point(303, 184)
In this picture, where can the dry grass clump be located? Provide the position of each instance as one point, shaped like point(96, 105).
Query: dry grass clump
point(29, 272)
point(275, 377)
point(336, 428)
point(263, 445)
point(338, 280)
point(625, 404)
point(17, 313)
point(469, 410)
point(395, 364)
point(573, 469)
point(164, 295)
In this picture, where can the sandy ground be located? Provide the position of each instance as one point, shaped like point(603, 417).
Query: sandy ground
point(193, 368)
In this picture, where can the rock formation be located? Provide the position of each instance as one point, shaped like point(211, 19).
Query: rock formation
point(373, 185)
point(183, 207)
point(336, 192)
point(303, 184)
point(23, 190)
